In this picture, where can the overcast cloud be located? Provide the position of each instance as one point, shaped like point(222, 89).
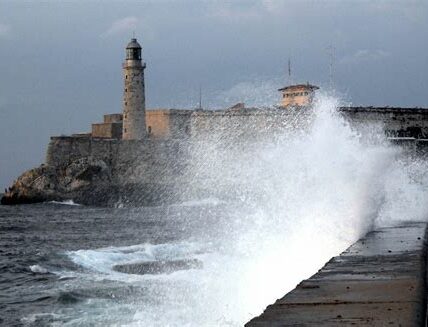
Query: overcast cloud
point(122, 26)
point(60, 62)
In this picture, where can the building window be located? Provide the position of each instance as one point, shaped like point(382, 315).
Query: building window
point(125, 130)
point(126, 90)
point(126, 103)
point(149, 129)
point(126, 76)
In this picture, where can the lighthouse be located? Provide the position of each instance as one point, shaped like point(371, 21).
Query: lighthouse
point(134, 101)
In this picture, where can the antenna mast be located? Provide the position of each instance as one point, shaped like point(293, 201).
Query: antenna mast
point(200, 97)
point(289, 71)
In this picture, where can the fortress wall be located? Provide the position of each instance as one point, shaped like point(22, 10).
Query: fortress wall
point(245, 124)
point(105, 150)
point(151, 161)
point(142, 161)
point(112, 130)
point(63, 149)
point(157, 123)
point(180, 124)
point(164, 160)
point(168, 123)
point(395, 121)
point(113, 118)
point(235, 126)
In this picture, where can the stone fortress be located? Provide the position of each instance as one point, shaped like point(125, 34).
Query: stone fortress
point(137, 123)
point(141, 156)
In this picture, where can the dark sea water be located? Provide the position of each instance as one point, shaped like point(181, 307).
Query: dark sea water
point(56, 261)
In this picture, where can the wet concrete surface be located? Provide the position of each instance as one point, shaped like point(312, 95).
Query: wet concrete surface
point(378, 281)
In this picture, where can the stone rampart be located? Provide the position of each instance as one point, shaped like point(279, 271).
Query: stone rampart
point(149, 160)
point(111, 130)
point(64, 149)
point(396, 122)
point(113, 118)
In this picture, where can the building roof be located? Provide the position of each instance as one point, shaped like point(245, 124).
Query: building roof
point(133, 44)
point(299, 86)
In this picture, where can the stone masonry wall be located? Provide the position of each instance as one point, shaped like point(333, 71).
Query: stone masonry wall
point(112, 130)
point(133, 161)
point(396, 122)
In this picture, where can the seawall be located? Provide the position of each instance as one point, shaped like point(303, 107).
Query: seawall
point(378, 281)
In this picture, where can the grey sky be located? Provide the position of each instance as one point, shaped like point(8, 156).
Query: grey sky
point(60, 62)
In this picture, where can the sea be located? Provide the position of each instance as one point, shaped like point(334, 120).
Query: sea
point(213, 261)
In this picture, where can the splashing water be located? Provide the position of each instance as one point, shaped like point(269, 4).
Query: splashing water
point(303, 197)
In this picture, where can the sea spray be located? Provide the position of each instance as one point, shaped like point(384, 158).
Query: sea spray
point(308, 193)
point(288, 202)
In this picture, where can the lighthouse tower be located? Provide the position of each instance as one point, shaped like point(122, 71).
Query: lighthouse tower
point(134, 101)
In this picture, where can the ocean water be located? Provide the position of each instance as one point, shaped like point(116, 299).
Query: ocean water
point(302, 198)
point(56, 262)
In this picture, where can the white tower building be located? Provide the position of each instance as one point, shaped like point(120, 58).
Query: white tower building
point(134, 101)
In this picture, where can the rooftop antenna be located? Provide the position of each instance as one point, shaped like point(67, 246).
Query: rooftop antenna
point(200, 97)
point(289, 71)
point(331, 52)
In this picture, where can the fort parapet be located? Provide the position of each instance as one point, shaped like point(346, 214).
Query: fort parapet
point(396, 122)
point(188, 124)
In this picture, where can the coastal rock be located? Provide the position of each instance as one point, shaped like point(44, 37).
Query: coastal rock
point(84, 181)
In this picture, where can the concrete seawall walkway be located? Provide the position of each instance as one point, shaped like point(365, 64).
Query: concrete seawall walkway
point(378, 281)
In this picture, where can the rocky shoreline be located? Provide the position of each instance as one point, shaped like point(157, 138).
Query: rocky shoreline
point(85, 181)
point(80, 181)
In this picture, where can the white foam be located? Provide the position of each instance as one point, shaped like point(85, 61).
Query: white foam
point(202, 202)
point(38, 269)
point(66, 202)
point(102, 260)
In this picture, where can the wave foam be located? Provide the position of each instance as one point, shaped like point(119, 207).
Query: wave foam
point(38, 269)
point(66, 202)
